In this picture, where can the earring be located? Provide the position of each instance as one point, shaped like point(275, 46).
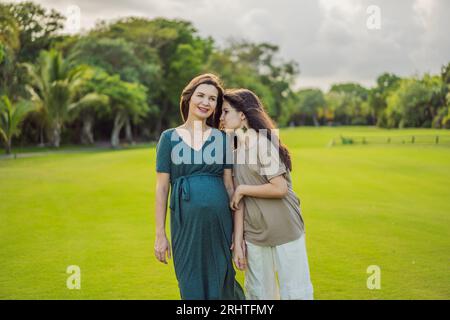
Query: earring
point(244, 128)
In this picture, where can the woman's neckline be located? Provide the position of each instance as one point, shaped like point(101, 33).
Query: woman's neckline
point(203, 143)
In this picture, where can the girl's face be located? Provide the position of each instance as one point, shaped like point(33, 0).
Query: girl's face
point(231, 118)
point(203, 101)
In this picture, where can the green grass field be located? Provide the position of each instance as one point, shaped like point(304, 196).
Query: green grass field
point(384, 205)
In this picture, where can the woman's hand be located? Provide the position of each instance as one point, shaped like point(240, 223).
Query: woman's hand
point(239, 255)
point(161, 247)
point(162, 190)
point(236, 198)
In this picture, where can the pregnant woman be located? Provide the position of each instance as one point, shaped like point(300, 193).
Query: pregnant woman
point(201, 220)
point(273, 226)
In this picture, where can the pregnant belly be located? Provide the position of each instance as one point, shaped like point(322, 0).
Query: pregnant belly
point(206, 215)
point(207, 193)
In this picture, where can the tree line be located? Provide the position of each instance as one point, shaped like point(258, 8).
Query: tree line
point(123, 78)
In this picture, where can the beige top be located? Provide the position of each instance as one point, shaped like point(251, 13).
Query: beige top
point(267, 222)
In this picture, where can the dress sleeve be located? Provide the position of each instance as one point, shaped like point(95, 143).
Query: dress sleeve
point(163, 153)
point(228, 152)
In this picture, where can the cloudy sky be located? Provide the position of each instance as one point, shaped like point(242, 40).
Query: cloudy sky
point(330, 39)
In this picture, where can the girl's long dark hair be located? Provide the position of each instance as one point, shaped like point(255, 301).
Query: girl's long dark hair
point(247, 102)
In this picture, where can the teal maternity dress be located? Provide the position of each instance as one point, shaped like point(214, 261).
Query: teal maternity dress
point(201, 221)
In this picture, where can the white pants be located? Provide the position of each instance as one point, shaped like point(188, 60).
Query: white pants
point(289, 261)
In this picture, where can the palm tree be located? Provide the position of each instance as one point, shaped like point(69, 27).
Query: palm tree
point(54, 83)
point(11, 115)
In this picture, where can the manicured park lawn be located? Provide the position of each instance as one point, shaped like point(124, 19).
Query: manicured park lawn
point(384, 205)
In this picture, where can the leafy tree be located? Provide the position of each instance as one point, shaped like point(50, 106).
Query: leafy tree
point(437, 96)
point(26, 29)
point(9, 47)
point(354, 89)
point(90, 104)
point(311, 103)
point(442, 118)
point(11, 115)
point(171, 41)
point(417, 102)
point(406, 105)
point(349, 105)
point(386, 83)
point(9, 36)
point(257, 67)
point(128, 103)
point(37, 26)
point(115, 56)
point(54, 82)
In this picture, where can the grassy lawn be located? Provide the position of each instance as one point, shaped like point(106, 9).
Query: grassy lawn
point(384, 205)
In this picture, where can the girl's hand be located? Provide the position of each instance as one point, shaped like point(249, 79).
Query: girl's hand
point(236, 198)
point(161, 247)
point(239, 258)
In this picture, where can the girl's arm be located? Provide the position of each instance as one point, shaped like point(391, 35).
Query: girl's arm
point(238, 230)
point(238, 234)
point(239, 250)
point(277, 188)
point(239, 247)
point(161, 243)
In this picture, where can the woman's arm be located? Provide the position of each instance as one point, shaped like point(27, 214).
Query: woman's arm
point(161, 243)
point(277, 188)
point(228, 181)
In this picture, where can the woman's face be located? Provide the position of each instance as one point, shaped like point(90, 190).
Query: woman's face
point(231, 118)
point(203, 101)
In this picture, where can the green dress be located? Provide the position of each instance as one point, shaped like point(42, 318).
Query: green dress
point(201, 221)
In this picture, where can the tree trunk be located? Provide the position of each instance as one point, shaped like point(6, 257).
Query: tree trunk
point(316, 122)
point(56, 134)
point(119, 121)
point(87, 134)
point(8, 146)
point(432, 112)
point(128, 132)
point(41, 137)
